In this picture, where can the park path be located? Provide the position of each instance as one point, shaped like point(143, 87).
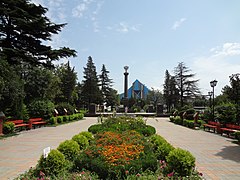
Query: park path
point(19, 153)
point(218, 158)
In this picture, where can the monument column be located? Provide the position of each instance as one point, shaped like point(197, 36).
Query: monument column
point(126, 82)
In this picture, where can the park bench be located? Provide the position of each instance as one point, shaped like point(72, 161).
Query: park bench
point(229, 129)
point(33, 122)
point(211, 125)
point(19, 124)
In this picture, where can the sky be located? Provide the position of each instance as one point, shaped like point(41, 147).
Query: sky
point(151, 36)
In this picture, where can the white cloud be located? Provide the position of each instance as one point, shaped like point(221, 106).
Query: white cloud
point(227, 49)
point(124, 27)
point(178, 23)
point(79, 10)
point(90, 11)
point(218, 65)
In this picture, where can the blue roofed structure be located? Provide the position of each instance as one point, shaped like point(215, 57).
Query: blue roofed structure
point(137, 91)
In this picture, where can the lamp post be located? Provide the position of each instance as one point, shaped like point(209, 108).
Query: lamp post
point(210, 98)
point(213, 84)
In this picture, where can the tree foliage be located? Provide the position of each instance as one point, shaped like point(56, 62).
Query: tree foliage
point(24, 29)
point(90, 85)
point(170, 91)
point(109, 95)
point(67, 84)
point(187, 86)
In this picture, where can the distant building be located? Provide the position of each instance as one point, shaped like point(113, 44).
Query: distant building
point(137, 91)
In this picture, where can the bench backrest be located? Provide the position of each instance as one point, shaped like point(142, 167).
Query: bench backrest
point(35, 119)
point(213, 123)
point(19, 121)
point(233, 126)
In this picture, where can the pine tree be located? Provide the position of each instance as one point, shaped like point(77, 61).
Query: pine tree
point(90, 85)
point(24, 31)
point(68, 81)
point(187, 87)
point(108, 94)
point(170, 91)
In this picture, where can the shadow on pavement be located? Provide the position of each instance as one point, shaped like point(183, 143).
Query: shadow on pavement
point(230, 153)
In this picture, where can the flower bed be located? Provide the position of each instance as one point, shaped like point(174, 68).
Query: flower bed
point(121, 148)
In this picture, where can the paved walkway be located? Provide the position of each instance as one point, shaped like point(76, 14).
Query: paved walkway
point(19, 153)
point(217, 157)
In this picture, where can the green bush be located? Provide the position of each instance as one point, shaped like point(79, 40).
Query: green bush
point(181, 162)
point(226, 113)
point(65, 118)
point(53, 120)
point(163, 150)
point(54, 164)
point(160, 147)
point(171, 118)
point(237, 135)
point(188, 123)
point(41, 108)
point(88, 135)
point(60, 119)
point(70, 149)
point(177, 120)
point(147, 130)
point(81, 140)
point(95, 128)
point(80, 116)
point(71, 117)
point(8, 128)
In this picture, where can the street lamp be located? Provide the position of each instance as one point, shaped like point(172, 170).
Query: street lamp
point(210, 98)
point(213, 84)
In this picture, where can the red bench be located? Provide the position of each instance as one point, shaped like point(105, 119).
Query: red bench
point(33, 122)
point(230, 128)
point(19, 123)
point(211, 125)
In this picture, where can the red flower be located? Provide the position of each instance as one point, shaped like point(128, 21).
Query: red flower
point(170, 174)
point(127, 172)
point(138, 174)
point(41, 174)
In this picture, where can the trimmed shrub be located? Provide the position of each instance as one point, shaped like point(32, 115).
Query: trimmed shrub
point(88, 135)
point(59, 119)
point(188, 123)
point(70, 149)
point(53, 120)
point(178, 120)
point(147, 130)
point(8, 128)
point(171, 118)
point(41, 108)
point(237, 135)
point(80, 116)
point(181, 162)
point(54, 164)
point(95, 128)
point(163, 150)
point(65, 118)
point(81, 140)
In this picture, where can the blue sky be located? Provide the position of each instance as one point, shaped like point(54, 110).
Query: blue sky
point(151, 37)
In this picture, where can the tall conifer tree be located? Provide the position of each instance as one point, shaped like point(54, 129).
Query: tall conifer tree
point(90, 85)
point(24, 30)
